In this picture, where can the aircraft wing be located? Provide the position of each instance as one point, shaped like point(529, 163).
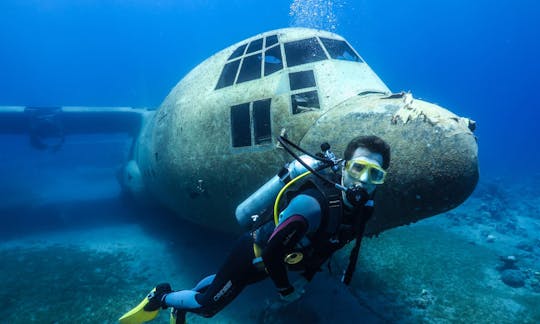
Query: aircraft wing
point(71, 120)
point(42, 123)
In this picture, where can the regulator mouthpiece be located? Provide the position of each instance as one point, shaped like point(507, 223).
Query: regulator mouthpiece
point(356, 195)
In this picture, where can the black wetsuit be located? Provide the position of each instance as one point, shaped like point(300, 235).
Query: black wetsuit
point(293, 234)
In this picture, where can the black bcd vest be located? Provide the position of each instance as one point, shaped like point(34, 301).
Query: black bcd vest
point(339, 223)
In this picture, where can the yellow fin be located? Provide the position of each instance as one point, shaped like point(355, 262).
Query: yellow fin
point(138, 315)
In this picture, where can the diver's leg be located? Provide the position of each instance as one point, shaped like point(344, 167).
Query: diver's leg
point(204, 283)
point(231, 279)
point(235, 274)
point(185, 299)
point(182, 299)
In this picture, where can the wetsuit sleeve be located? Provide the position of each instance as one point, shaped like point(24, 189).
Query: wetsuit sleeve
point(302, 215)
point(284, 238)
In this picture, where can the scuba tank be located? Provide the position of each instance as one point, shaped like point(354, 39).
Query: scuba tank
point(257, 208)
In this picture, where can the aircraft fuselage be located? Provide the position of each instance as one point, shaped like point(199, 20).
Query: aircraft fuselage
point(212, 141)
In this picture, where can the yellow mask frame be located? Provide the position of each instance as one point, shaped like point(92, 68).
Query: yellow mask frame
point(356, 168)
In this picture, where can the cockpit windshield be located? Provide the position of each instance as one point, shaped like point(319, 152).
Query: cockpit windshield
point(303, 51)
point(263, 56)
point(340, 50)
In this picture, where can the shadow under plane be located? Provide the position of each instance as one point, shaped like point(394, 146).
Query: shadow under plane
point(212, 142)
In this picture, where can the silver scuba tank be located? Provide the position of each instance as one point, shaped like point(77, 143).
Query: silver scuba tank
point(257, 209)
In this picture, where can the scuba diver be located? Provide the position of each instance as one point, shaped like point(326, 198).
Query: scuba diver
point(316, 214)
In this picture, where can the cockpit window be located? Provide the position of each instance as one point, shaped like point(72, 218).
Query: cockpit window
point(303, 51)
point(272, 60)
point(340, 50)
point(251, 68)
point(251, 59)
point(228, 74)
point(238, 52)
point(271, 40)
point(255, 45)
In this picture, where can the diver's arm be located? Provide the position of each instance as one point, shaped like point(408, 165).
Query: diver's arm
point(302, 215)
point(283, 239)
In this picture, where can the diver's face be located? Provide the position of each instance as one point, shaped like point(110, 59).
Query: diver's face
point(363, 181)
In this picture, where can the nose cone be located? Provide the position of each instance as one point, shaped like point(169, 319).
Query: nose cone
point(434, 154)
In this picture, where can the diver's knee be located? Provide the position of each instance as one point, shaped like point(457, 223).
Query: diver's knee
point(183, 299)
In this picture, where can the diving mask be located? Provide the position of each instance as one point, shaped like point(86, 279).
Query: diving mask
point(356, 168)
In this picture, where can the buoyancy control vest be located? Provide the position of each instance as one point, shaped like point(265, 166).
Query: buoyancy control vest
point(339, 224)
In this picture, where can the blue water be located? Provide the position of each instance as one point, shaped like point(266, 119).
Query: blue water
point(479, 59)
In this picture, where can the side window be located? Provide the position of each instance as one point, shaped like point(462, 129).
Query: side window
point(300, 80)
point(304, 95)
point(240, 125)
point(340, 50)
point(303, 51)
point(251, 124)
point(305, 101)
point(262, 132)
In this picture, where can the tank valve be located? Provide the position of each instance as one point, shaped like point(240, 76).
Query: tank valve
point(200, 188)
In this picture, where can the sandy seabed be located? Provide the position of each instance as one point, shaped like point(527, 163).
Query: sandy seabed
point(448, 269)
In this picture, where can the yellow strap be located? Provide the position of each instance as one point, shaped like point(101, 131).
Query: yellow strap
point(257, 250)
point(276, 204)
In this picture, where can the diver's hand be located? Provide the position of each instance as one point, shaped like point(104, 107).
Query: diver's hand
point(292, 296)
point(294, 292)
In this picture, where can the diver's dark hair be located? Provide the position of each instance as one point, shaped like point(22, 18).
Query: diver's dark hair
point(372, 143)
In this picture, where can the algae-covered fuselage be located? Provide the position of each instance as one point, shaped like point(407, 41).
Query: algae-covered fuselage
point(212, 141)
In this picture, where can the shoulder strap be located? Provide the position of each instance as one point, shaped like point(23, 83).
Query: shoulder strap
point(353, 257)
point(333, 213)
